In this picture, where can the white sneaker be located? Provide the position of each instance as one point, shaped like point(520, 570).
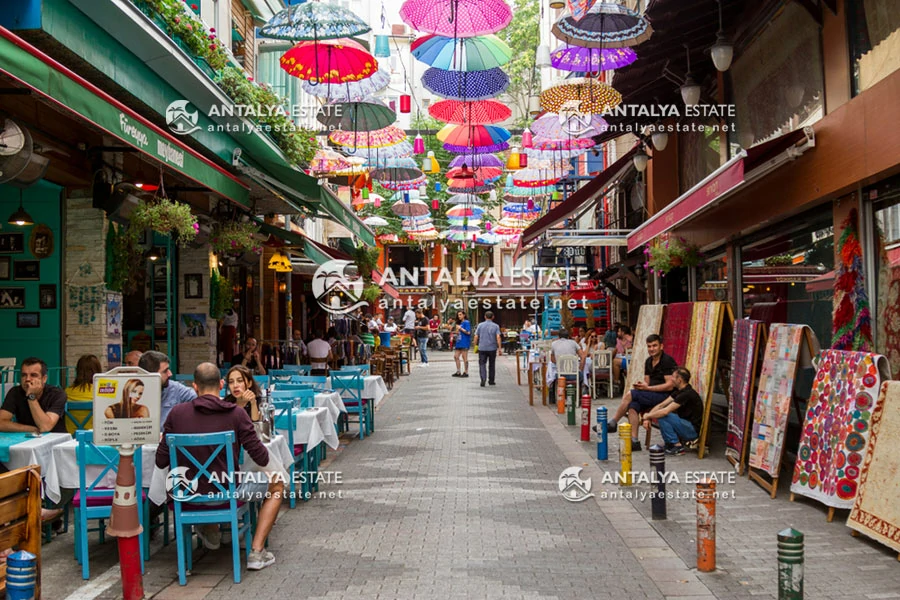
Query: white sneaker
point(257, 561)
point(210, 540)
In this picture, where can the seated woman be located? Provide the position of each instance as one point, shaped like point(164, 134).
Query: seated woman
point(243, 390)
point(624, 342)
point(82, 389)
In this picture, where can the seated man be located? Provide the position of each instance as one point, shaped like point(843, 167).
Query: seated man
point(655, 388)
point(209, 414)
point(680, 416)
point(320, 354)
point(562, 347)
point(173, 392)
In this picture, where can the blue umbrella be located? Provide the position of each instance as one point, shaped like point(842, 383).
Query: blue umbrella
point(390, 162)
point(462, 85)
point(314, 21)
point(462, 54)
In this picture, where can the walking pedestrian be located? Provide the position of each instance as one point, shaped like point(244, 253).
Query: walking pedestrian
point(487, 338)
point(422, 336)
point(463, 333)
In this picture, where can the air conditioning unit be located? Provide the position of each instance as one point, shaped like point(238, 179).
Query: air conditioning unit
point(19, 165)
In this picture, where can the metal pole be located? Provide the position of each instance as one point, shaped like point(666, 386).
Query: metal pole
point(602, 441)
point(570, 402)
point(625, 476)
point(288, 303)
point(658, 463)
point(125, 524)
point(790, 564)
point(706, 526)
point(586, 418)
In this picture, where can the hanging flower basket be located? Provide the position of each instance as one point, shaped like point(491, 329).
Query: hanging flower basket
point(235, 238)
point(163, 216)
point(663, 256)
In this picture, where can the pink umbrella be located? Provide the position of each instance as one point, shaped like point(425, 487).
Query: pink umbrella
point(456, 18)
point(563, 144)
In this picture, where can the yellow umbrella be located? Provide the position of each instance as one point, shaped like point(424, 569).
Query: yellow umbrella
point(581, 94)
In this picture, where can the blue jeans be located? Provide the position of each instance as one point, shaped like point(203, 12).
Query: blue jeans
point(423, 347)
point(674, 429)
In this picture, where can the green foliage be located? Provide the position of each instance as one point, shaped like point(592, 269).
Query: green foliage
point(781, 260)
point(221, 295)
point(371, 293)
point(663, 256)
point(121, 257)
point(523, 37)
point(235, 238)
point(163, 216)
point(366, 260)
point(189, 31)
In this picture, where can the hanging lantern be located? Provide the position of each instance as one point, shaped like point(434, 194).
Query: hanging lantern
point(382, 46)
point(437, 186)
point(523, 160)
point(434, 166)
point(444, 251)
point(527, 139)
point(555, 196)
point(365, 193)
point(418, 145)
point(377, 202)
point(405, 104)
point(463, 246)
point(492, 195)
point(474, 237)
point(487, 226)
point(512, 163)
point(426, 164)
point(406, 197)
point(530, 204)
point(509, 180)
point(434, 204)
point(423, 190)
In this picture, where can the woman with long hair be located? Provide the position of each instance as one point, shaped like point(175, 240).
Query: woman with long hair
point(82, 389)
point(128, 407)
point(243, 390)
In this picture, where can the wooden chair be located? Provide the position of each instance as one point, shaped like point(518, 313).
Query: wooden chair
point(20, 517)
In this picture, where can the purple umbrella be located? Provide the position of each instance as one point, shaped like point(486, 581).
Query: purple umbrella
point(477, 161)
point(480, 149)
point(591, 60)
point(462, 85)
point(558, 127)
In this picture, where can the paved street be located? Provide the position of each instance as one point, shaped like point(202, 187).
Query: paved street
point(456, 495)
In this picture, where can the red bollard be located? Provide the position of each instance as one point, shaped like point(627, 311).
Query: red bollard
point(706, 526)
point(586, 418)
point(561, 395)
point(125, 524)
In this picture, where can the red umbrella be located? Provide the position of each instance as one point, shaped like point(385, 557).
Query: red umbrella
point(329, 61)
point(472, 135)
point(479, 112)
point(479, 173)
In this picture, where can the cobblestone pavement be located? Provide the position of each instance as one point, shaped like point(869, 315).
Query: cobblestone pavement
point(456, 495)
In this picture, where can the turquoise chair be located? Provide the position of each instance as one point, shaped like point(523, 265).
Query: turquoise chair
point(80, 424)
point(301, 398)
point(286, 422)
point(262, 380)
point(184, 377)
point(276, 375)
point(350, 386)
point(361, 369)
point(220, 507)
point(93, 502)
point(282, 387)
point(318, 381)
point(298, 369)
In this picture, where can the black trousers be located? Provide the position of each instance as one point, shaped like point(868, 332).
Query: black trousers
point(487, 362)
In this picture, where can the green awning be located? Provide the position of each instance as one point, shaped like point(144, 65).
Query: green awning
point(306, 189)
point(346, 245)
point(60, 86)
point(313, 251)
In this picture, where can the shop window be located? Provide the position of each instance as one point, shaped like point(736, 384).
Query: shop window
point(698, 155)
point(885, 199)
point(787, 274)
point(712, 281)
point(405, 257)
point(874, 31)
point(777, 81)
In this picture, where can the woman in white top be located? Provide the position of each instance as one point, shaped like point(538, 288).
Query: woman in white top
point(390, 326)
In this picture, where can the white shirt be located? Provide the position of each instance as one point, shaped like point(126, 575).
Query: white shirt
point(372, 324)
point(409, 319)
point(390, 327)
point(318, 348)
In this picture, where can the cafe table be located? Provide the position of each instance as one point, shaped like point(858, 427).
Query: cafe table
point(18, 449)
point(333, 402)
point(373, 388)
point(312, 426)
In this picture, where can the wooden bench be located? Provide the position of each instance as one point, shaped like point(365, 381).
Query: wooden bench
point(20, 517)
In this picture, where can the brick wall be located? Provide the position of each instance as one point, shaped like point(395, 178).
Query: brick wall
point(195, 349)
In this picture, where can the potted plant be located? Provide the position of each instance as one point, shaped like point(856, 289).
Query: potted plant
point(665, 255)
point(235, 238)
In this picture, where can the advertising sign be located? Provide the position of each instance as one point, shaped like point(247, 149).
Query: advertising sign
point(126, 407)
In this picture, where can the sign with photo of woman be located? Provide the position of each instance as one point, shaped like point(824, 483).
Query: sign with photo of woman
point(128, 399)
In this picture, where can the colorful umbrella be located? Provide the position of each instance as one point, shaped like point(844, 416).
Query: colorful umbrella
point(479, 112)
point(605, 25)
point(413, 208)
point(476, 161)
point(488, 238)
point(350, 91)
point(535, 198)
point(385, 238)
point(554, 154)
point(356, 116)
point(461, 211)
point(314, 21)
point(360, 201)
point(591, 60)
point(377, 156)
point(527, 192)
point(472, 135)
point(369, 139)
point(468, 188)
point(556, 127)
point(477, 173)
point(404, 185)
point(469, 199)
point(456, 18)
point(463, 54)
point(329, 61)
point(541, 143)
point(455, 235)
point(462, 85)
point(580, 95)
point(375, 222)
point(396, 174)
point(328, 161)
point(384, 162)
point(469, 149)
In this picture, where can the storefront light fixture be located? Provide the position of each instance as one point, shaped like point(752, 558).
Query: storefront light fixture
point(640, 159)
point(280, 263)
point(660, 140)
point(153, 255)
point(690, 89)
point(542, 58)
point(20, 217)
point(723, 50)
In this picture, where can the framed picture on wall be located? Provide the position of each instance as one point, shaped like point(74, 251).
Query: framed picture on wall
point(27, 270)
point(12, 243)
point(47, 295)
point(193, 285)
point(5, 265)
point(28, 320)
point(12, 297)
point(41, 242)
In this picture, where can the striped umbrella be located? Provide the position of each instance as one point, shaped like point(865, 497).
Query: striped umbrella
point(461, 54)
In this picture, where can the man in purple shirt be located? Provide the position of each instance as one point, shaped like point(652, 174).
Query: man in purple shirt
point(208, 413)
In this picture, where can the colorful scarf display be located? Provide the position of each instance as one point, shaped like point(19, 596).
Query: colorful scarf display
point(648, 323)
point(701, 351)
point(677, 329)
point(743, 353)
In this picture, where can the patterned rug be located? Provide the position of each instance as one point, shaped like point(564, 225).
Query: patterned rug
point(876, 512)
point(677, 329)
point(743, 346)
point(701, 359)
point(648, 323)
point(773, 400)
point(836, 427)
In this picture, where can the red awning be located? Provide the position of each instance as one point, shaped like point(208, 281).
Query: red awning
point(738, 171)
point(587, 192)
point(377, 277)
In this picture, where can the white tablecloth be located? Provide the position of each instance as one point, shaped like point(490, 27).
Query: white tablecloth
point(374, 388)
point(37, 451)
point(65, 471)
point(333, 402)
point(314, 426)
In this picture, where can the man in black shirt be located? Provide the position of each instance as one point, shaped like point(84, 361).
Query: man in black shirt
point(36, 406)
point(680, 416)
point(655, 388)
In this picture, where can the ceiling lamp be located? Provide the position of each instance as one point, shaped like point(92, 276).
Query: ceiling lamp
point(557, 4)
point(640, 159)
point(154, 255)
point(660, 140)
point(542, 58)
point(723, 50)
point(20, 217)
point(280, 263)
point(690, 89)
